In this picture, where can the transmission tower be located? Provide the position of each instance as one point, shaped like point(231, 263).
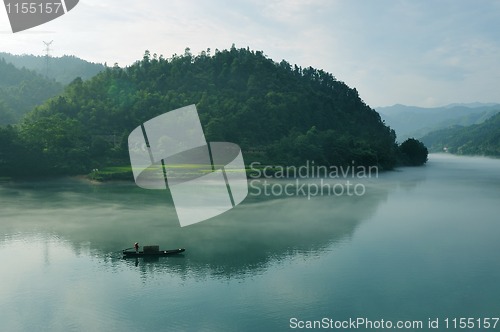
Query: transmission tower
point(47, 56)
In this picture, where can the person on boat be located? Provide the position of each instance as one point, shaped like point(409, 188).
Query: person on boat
point(136, 246)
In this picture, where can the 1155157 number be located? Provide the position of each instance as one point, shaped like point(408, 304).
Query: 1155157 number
point(471, 323)
point(34, 8)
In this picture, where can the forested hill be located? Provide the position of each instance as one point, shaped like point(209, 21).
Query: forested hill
point(21, 90)
point(277, 113)
point(481, 139)
point(62, 69)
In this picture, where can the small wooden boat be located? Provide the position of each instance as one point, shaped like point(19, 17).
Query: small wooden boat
point(151, 251)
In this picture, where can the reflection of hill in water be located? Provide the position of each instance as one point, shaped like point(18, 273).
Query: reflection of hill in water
point(244, 240)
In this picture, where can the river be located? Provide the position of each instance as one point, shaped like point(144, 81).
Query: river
point(419, 245)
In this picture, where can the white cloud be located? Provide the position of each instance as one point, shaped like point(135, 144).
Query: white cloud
point(392, 51)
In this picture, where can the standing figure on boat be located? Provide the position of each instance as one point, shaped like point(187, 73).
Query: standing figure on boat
point(136, 246)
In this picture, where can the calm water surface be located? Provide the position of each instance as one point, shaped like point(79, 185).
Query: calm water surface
point(421, 243)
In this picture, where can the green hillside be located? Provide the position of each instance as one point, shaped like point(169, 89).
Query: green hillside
point(277, 113)
point(481, 139)
point(21, 90)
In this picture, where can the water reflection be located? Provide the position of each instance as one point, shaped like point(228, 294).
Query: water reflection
point(418, 254)
point(102, 219)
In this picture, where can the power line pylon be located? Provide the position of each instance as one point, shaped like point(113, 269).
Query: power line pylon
point(47, 56)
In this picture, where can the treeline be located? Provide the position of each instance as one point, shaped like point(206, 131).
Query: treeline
point(278, 113)
point(482, 139)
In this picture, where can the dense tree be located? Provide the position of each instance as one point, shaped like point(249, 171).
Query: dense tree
point(16, 158)
point(277, 113)
point(413, 152)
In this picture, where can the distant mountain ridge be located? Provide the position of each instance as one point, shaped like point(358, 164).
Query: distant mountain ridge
point(470, 105)
point(412, 121)
point(62, 69)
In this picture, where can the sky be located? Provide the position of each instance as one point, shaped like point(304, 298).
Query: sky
point(415, 52)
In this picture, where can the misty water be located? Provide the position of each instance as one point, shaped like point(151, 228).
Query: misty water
point(420, 243)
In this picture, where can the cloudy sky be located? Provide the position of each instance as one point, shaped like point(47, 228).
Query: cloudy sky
point(414, 52)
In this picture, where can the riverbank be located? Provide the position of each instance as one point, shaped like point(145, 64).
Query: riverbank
point(257, 170)
point(254, 170)
point(111, 173)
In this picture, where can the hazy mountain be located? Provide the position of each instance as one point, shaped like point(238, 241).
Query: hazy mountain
point(480, 139)
point(412, 121)
point(470, 105)
point(63, 69)
point(21, 90)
